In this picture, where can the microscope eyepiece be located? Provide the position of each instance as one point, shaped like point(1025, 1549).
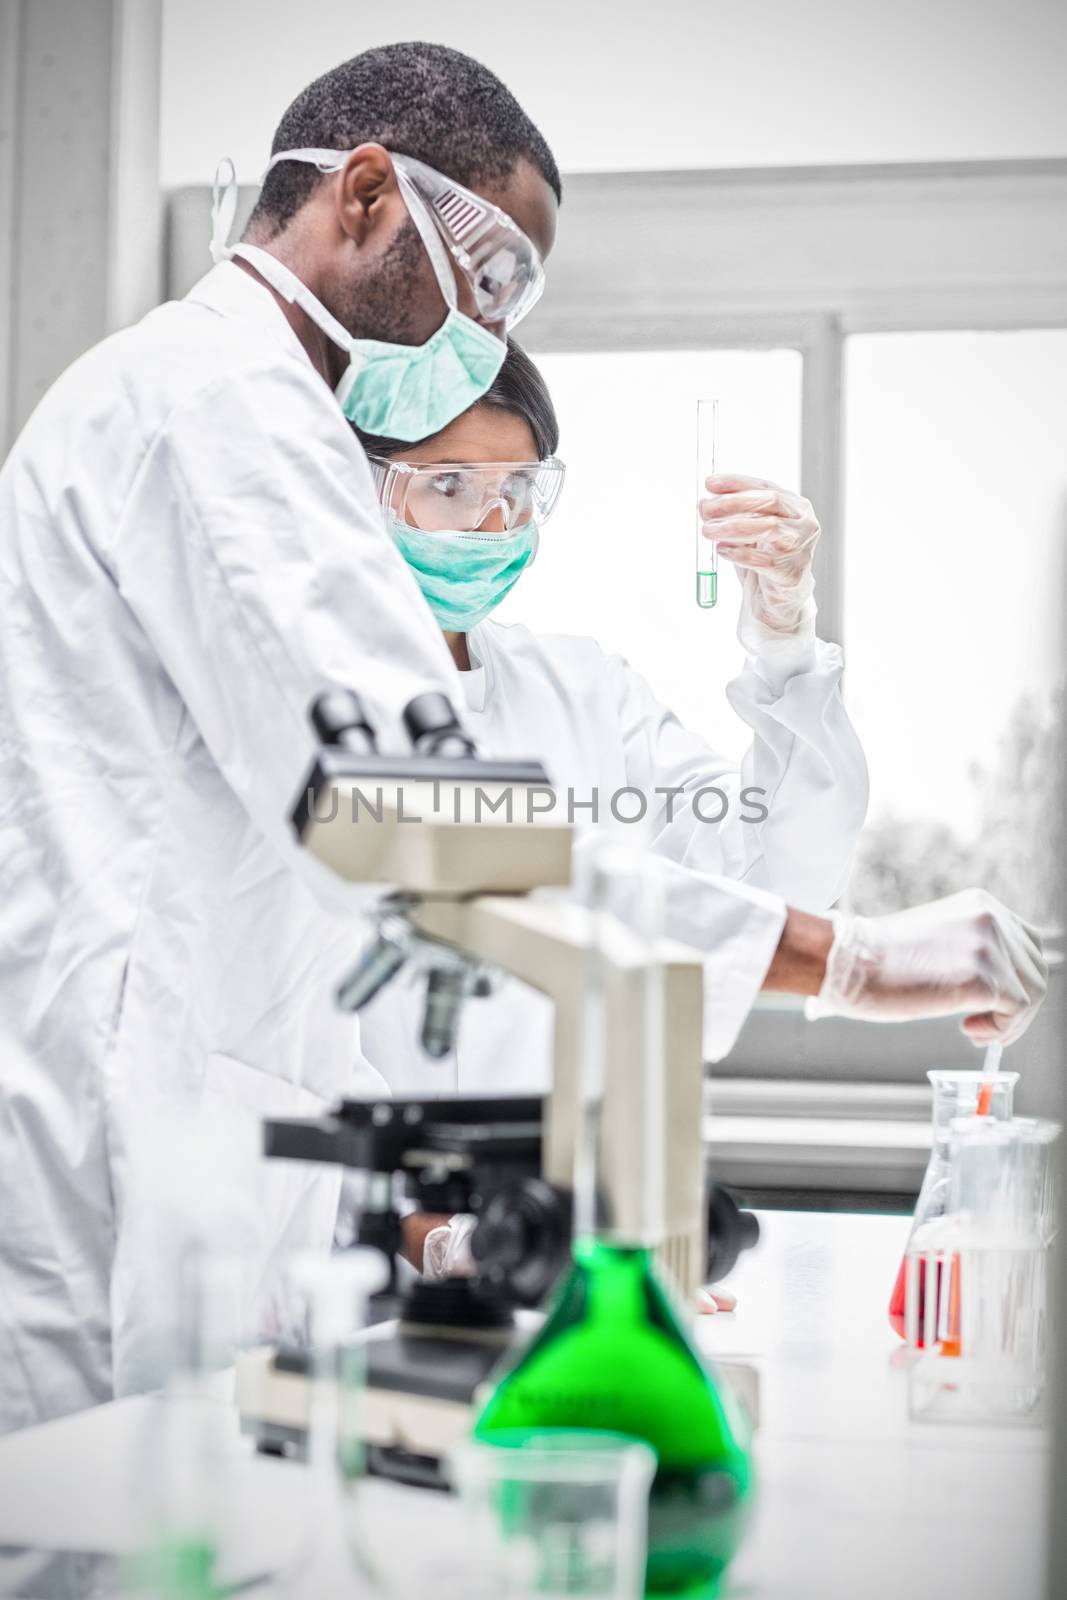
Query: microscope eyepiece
point(521, 1239)
point(434, 729)
point(339, 720)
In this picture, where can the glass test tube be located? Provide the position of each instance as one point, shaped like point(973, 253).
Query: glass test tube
point(707, 558)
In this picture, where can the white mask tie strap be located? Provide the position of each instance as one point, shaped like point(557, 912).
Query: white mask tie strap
point(223, 210)
point(289, 286)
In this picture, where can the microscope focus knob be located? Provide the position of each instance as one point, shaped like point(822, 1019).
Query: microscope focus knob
point(434, 729)
point(522, 1240)
point(730, 1230)
point(339, 720)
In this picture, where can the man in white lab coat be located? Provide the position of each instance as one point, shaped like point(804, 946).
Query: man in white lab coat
point(190, 551)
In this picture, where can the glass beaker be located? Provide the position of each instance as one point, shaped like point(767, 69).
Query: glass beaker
point(333, 1558)
point(1002, 1192)
point(556, 1513)
point(184, 1485)
point(987, 1267)
point(956, 1094)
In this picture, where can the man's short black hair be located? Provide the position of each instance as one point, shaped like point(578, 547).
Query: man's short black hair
point(421, 100)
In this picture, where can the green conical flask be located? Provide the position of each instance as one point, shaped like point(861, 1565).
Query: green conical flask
point(612, 1353)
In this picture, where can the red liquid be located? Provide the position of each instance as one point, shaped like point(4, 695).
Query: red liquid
point(950, 1344)
point(898, 1304)
point(898, 1300)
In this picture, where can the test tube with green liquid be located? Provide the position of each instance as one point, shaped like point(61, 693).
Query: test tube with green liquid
point(707, 557)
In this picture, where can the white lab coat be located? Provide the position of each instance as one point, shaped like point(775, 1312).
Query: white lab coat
point(190, 550)
point(597, 725)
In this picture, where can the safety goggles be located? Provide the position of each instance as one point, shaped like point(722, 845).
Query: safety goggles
point(461, 497)
point(502, 266)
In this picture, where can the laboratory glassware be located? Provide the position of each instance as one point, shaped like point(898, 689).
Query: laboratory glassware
point(956, 1094)
point(707, 568)
point(611, 1354)
point(189, 1450)
point(555, 1513)
point(990, 1067)
point(981, 1324)
point(334, 1555)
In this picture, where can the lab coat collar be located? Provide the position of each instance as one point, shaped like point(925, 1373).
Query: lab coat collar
point(477, 684)
point(473, 683)
point(233, 292)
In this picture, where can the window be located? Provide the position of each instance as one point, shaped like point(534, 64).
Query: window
point(617, 559)
point(955, 573)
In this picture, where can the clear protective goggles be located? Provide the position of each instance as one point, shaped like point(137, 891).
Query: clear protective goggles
point(464, 497)
point(502, 266)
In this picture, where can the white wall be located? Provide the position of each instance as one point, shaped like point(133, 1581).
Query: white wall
point(619, 85)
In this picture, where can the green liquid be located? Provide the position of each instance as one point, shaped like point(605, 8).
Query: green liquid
point(611, 1355)
point(707, 589)
point(176, 1569)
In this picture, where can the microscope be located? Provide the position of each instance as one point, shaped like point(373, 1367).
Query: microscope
point(477, 870)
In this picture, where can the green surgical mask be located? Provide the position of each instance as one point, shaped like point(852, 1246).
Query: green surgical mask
point(407, 391)
point(464, 576)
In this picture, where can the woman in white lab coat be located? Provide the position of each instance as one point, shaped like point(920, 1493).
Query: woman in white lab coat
point(794, 805)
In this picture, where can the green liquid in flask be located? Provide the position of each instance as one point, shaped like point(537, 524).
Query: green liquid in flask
point(612, 1355)
point(175, 1569)
point(707, 589)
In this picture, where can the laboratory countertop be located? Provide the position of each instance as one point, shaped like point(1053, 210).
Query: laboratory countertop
point(854, 1501)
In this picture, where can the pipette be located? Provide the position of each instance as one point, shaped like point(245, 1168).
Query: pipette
point(950, 1343)
point(950, 1340)
point(990, 1068)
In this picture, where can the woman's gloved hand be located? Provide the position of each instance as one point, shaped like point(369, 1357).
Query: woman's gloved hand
point(769, 534)
point(447, 1250)
point(966, 953)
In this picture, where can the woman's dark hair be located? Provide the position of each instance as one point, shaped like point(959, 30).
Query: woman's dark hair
point(518, 388)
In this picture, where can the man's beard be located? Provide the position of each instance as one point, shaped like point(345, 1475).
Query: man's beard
point(382, 304)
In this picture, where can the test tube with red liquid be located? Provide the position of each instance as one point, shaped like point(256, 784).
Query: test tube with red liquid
point(956, 1094)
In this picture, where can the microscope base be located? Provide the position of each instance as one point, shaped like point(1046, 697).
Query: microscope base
point(419, 1398)
point(420, 1395)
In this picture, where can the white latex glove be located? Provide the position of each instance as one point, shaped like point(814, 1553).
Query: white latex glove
point(447, 1254)
point(769, 534)
point(966, 953)
point(446, 1251)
